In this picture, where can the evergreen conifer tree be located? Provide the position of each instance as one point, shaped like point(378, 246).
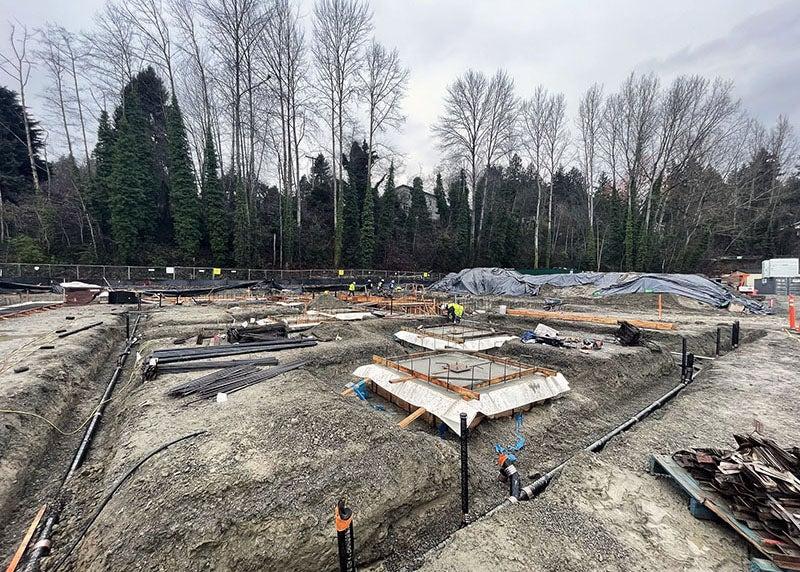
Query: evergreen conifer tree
point(214, 207)
point(184, 201)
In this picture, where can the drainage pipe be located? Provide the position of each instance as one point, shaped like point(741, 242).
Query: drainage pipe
point(42, 546)
point(537, 486)
point(464, 470)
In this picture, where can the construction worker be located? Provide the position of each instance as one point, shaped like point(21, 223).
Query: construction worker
point(368, 287)
point(454, 312)
point(351, 290)
point(380, 284)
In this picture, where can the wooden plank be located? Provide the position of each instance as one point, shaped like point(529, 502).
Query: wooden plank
point(408, 420)
point(25, 540)
point(592, 318)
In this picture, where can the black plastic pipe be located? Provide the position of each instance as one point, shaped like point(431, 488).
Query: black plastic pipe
point(683, 358)
point(717, 345)
point(464, 470)
point(689, 367)
point(344, 538)
point(536, 487)
point(42, 546)
point(735, 334)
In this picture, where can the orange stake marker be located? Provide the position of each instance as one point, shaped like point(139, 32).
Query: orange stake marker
point(28, 535)
point(659, 307)
point(791, 313)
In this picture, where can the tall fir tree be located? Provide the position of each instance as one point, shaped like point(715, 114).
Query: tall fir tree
point(367, 236)
point(214, 204)
point(241, 230)
point(441, 200)
point(419, 221)
point(183, 200)
point(132, 182)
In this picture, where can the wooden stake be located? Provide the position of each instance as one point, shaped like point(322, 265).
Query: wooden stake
point(659, 307)
point(26, 539)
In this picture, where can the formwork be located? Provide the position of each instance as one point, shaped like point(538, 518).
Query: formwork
point(447, 384)
point(454, 336)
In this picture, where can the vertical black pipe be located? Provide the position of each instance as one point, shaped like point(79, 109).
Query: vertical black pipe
point(735, 335)
point(689, 367)
point(464, 471)
point(719, 338)
point(139, 302)
point(127, 326)
point(160, 298)
point(344, 537)
point(683, 358)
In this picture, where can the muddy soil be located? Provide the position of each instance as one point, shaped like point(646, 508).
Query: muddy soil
point(62, 385)
point(257, 491)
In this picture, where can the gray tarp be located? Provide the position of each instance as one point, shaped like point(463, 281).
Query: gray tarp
point(505, 282)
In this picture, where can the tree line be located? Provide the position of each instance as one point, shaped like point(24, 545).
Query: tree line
point(240, 132)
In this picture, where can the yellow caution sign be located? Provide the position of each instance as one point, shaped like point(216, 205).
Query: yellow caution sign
point(216, 272)
point(425, 275)
point(341, 272)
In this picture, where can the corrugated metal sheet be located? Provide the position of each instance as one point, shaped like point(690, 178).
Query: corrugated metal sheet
point(447, 406)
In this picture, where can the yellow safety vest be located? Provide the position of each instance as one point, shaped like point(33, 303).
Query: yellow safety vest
point(352, 287)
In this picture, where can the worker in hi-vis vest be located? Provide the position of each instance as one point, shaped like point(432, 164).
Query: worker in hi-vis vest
point(454, 312)
point(351, 290)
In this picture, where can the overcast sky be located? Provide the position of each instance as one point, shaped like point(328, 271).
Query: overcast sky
point(564, 45)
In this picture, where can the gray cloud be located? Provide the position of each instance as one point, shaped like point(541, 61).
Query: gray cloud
point(565, 46)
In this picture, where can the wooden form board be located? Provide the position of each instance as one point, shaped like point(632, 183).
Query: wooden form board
point(592, 318)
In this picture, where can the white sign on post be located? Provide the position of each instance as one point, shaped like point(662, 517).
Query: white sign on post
point(170, 270)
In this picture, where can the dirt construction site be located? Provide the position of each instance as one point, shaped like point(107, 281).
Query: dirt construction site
point(332, 432)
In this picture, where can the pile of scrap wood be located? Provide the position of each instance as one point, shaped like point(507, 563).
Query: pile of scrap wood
point(760, 480)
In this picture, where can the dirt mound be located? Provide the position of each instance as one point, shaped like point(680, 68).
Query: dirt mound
point(257, 493)
point(326, 301)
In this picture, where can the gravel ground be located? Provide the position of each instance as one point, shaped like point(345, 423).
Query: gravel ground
point(604, 512)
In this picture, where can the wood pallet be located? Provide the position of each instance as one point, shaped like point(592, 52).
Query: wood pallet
point(709, 505)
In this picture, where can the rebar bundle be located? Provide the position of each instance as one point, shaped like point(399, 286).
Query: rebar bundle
point(229, 380)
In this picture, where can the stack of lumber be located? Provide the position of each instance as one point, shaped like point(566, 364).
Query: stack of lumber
point(760, 480)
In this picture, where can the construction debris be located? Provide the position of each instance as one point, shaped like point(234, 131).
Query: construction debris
point(188, 354)
point(551, 337)
point(229, 380)
point(77, 330)
point(153, 370)
point(761, 482)
point(257, 332)
point(628, 334)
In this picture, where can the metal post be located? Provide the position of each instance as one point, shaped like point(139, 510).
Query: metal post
point(717, 343)
point(464, 471)
point(689, 367)
point(735, 335)
point(127, 326)
point(139, 302)
point(160, 297)
point(683, 358)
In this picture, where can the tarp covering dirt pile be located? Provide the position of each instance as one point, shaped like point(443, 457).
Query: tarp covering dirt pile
point(506, 282)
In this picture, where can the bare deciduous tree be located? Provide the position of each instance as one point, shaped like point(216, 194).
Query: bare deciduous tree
point(341, 28)
point(384, 82)
point(556, 140)
point(533, 126)
point(501, 117)
point(461, 129)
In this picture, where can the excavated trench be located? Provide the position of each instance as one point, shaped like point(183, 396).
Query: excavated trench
point(63, 386)
point(258, 490)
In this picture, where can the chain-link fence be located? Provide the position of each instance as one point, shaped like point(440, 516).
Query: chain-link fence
point(45, 273)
